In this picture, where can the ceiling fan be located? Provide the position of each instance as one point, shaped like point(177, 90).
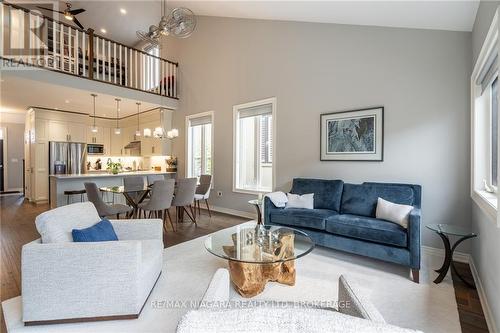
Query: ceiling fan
point(180, 23)
point(69, 14)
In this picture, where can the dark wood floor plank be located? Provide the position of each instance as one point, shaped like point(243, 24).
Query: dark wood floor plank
point(469, 307)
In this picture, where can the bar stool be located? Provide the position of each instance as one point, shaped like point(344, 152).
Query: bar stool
point(69, 193)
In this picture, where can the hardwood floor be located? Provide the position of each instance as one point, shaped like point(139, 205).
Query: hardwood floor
point(469, 306)
point(17, 227)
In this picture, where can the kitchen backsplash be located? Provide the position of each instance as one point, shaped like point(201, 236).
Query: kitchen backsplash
point(141, 163)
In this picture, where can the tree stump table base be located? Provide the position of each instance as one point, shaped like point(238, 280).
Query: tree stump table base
point(251, 279)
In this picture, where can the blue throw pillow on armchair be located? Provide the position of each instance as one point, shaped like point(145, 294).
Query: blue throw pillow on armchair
point(100, 232)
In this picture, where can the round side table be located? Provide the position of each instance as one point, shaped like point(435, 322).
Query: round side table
point(444, 231)
point(258, 204)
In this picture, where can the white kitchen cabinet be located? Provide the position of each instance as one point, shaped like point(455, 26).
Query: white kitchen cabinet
point(76, 132)
point(116, 145)
point(58, 131)
point(94, 137)
point(155, 147)
point(41, 129)
point(66, 131)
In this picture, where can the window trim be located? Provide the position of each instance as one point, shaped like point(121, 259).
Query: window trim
point(236, 108)
point(211, 114)
point(487, 202)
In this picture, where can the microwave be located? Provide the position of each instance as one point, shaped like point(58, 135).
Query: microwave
point(95, 149)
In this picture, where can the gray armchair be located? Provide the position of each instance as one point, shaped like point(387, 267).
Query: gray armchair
point(65, 281)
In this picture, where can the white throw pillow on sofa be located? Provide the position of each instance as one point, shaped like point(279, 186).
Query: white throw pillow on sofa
point(300, 201)
point(392, 212)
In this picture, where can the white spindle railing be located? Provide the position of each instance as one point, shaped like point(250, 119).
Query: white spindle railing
point(64, 48)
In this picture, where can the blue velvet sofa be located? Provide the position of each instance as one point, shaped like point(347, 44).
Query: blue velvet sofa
point(343, 218)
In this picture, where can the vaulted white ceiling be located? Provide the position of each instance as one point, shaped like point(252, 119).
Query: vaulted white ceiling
point(441, 15)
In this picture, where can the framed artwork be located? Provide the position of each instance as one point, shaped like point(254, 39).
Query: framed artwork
point(356, 135)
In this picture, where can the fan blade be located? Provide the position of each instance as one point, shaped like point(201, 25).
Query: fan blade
point(76, 11)
point(52, 10)
point(78, 23)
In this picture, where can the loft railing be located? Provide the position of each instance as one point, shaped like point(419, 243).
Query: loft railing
point(30, 39)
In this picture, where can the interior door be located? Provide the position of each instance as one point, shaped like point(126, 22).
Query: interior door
point(1, 166)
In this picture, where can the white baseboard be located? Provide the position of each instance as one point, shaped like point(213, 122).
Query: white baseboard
point(234, 212)
point(488, 315)
point(467, 258)
point(457, 256)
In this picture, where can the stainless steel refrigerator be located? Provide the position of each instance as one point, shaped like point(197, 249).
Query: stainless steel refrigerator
point(71, 155)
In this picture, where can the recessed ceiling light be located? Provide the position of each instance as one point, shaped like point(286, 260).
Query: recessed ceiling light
point(123, 11)
point(103, 30)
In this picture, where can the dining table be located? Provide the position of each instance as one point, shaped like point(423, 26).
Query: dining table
point(133, 196)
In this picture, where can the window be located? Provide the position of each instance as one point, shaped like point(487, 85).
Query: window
point(484, 126)
point(494, 133)
point(199, 132)
point(253, 146)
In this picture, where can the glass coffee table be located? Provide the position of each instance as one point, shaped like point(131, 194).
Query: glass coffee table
point(445, 231)
point(258, 254)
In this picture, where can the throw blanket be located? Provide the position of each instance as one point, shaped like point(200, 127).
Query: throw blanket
point(279, 198)
point(275, 320)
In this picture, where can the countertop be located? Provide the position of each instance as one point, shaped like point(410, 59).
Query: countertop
point(102, 175)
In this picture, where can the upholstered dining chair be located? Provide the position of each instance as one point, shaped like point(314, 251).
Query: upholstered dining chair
point(203, 193)
point(133, 183)
point(184, 197)
point(103, 208)
point(153, 178)
point(160, 201)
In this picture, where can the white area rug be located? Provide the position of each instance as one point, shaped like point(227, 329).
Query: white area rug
point(188, 269)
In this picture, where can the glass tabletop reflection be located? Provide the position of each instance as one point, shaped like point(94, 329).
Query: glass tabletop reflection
point(259, 244)
point(122, 189)
point(450, 229)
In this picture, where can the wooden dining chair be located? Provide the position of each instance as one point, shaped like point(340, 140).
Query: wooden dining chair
point(184, 197)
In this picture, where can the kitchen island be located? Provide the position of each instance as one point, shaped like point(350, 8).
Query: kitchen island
point(60, 183)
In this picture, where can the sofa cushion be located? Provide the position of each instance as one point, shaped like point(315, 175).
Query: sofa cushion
point(302, 217)
point(327, 193)
point(367, 228)
point(362, 199)
point(55, 225)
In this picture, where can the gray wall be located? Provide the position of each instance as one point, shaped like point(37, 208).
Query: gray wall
point(420, 76)
point(486, 249)
point(15, 155)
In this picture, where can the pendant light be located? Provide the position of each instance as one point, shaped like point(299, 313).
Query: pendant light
point(117, 128)
point(94, 127)
point(159, 132)
point(138, 131)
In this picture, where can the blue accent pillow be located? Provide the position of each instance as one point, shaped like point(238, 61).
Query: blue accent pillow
point(100, 232)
